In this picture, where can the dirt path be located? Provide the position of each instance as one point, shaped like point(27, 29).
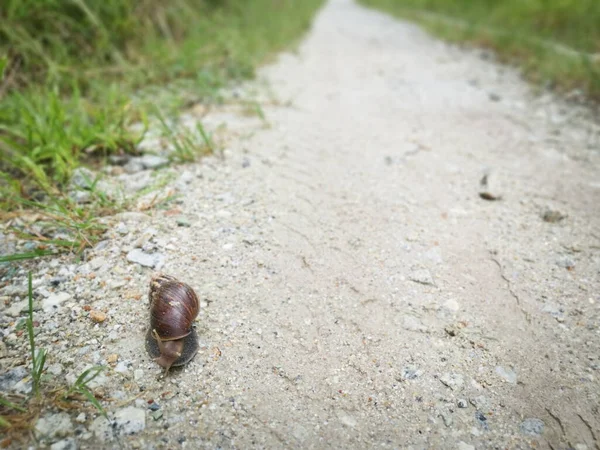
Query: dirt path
point(357, 291)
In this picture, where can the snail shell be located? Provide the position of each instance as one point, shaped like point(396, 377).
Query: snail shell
point(171, 340)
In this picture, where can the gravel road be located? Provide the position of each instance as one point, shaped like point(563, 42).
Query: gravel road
point(408, 256)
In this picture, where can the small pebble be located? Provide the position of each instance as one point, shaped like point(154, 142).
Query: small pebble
point(565, 262)
point(153, 161)
point(54, 426)
point(155, 260)
point(97, 316)
point(480, 402)
point(183, 222)
point(409, 373)
point(122, 229)
point(447, 418)
point(452, 380)
point(55, 369)
point(154, 406)
point(54, 301)
point(481, 419)
point(532, 426)
point(422, 276)
point(508, 375)
point(552, 216)
point(122, 367)
point(65, 444)
point(412, 323)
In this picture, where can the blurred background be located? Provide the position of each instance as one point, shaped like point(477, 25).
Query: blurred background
point(75, 74)
point(556, 42)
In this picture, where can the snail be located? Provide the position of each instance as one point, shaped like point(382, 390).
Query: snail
point(171, 340)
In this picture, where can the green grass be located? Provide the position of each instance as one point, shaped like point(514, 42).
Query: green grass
point(556, 42)
point(81, 386)
point(74, 75)
point(38, 358)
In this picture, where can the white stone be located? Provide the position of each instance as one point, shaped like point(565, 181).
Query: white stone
point(54, 426)
point(16, 308)
point(452, 305)
point(155, 260)
point(52, 303)
point(422, 276)
point(130, 420)
point(508, 375)
point(65, 444)
point(453, 380)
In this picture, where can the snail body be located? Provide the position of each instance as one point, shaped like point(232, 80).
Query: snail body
point(171, 339)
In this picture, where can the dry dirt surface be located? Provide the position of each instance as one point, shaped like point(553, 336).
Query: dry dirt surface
point(407, 257)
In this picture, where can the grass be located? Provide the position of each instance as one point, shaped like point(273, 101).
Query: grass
point(81, 386)
point(555, 42)
point(38, 358)
point(74, 77)
point(186, 143)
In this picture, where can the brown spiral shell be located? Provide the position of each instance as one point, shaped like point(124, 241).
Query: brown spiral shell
point(156, 282)
point(173, 307)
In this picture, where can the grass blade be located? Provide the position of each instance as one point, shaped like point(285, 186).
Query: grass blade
point(37, 359)
point(28, 255)
point(11, 405)
point(83, 379)
point(93, 400)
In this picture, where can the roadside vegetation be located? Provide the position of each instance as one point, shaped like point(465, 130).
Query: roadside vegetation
point(75, 75)
point(556, 42)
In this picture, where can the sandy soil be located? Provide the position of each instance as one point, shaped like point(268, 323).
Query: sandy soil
point(357, 290)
